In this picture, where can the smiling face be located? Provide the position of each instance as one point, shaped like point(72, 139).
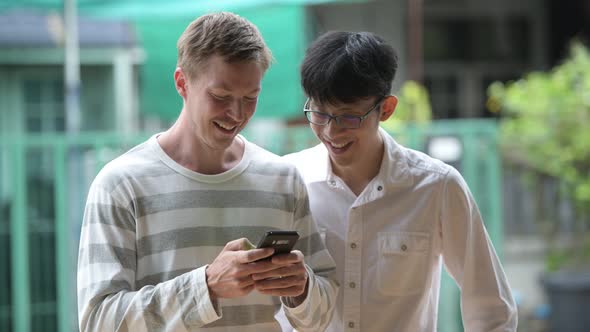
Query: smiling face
point(220, 100)
point(350, 147)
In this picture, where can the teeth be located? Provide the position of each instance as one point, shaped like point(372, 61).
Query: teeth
point(338, 146)
point(225, 126)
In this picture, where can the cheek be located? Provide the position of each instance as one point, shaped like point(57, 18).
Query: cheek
point(251, 108)
point(317, 130)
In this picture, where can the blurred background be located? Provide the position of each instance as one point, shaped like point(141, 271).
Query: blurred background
point(499, 89)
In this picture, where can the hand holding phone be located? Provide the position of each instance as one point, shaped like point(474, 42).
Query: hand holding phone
point(281, 241)
point(289, 278)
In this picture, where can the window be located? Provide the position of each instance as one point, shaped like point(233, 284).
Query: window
point(44, 105)
point(477, 39)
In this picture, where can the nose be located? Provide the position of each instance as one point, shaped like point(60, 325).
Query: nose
point(332, 128)
point(236, 110)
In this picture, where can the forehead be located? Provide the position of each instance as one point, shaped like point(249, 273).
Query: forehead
point(219, 73)
point(359, 106)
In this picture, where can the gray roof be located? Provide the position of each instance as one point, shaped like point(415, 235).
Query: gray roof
point(22, 28)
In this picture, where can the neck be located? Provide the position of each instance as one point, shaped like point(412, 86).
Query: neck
point(358, 174)
point(187, 149)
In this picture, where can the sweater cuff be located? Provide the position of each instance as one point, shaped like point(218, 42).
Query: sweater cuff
point(287, 302)
point(208, 310)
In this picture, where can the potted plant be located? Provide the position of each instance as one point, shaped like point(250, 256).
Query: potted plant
point(546, 125)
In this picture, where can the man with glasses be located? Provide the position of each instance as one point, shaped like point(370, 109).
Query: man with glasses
point(390, 216)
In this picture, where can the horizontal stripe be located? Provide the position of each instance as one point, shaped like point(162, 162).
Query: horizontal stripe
point(213, 199)
point(157, 278)
point(175, 182)
point(271, 168)
point(245, 315)
point(102, 272)
point(214, 217)
point(196, 237)
point(101, 289)
point(216, 237)
point(139, 171)
point(94, 233)
point(302, 208)
point(104, 253)
point(109, 215)
point(187, 258)
point(310, 245)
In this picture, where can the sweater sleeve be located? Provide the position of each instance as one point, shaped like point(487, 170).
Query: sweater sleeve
point(108, 299)
point(315, 312)
point(486, 299)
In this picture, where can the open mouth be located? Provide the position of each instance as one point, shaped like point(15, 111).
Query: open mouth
point(225, 127)
point(338, 147)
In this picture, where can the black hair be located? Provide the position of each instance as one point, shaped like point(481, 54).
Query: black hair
point(344, 67)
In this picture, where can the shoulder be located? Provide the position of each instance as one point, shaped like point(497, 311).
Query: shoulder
point(425, 167)
point(414, 167)
point(420, 162)
point(312, 163)
point(264, 162)
point(137, 161)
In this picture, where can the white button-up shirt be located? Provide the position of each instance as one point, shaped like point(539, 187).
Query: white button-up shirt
point(390, 242)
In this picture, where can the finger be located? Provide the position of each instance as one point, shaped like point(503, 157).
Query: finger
point(254, 255)
point(245, 282)
point(276, 283)
point(281, 281)
point(262, 266)
point(235, 245)
point(276, 273)
point(294, 256)
point(289, 291)
point(288, 270)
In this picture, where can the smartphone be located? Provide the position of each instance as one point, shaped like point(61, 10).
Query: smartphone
point(282, 241)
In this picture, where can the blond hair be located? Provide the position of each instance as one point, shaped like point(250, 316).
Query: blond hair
point(225, 34)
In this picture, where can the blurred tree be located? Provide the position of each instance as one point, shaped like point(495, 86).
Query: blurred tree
point(545, 126)
point(413, 107)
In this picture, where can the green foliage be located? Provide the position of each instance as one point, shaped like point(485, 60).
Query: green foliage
point(413, 107)
point(546, 117)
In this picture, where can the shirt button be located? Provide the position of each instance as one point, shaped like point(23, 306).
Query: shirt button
point(380, 188)
point(353, 245)
point(404, 247)
point(332, 183)
point(352, 285)
point(351, 324)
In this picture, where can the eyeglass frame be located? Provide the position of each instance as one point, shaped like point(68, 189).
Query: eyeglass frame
point(337, 118)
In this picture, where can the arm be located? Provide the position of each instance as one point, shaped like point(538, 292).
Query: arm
point(108, 299)
point(314, 310)
point(486, 300)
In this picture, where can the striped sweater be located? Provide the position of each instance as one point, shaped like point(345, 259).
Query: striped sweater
point(151, 227)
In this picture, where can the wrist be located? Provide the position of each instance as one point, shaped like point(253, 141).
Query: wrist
point(212, 294)
point(295, 301)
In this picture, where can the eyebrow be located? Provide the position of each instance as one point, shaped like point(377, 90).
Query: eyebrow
point(223, 86)
point(346, 111)
point(312, 105)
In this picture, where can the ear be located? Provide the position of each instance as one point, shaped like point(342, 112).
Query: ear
point(180, 82)
point(388, 107)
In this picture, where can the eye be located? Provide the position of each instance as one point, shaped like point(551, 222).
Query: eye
point(219, 97)
point(251, 99)
point(319, 116)
point(350, 120)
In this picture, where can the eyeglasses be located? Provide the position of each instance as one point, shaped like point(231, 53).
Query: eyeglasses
point(345, 121)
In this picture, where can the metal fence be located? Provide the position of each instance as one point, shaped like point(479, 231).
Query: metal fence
point(44, 181)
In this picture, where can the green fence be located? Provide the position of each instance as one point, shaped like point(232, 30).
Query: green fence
point(43, 184)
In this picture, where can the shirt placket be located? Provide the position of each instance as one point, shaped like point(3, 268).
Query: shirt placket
point(352, 272)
